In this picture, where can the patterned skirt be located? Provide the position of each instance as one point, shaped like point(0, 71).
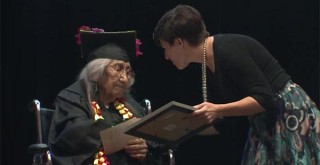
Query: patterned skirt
point(289, 135)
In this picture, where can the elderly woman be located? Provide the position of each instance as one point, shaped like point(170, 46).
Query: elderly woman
point(98, 100)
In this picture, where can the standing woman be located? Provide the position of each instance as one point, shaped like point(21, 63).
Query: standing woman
point(247, 81)
point(99, 99)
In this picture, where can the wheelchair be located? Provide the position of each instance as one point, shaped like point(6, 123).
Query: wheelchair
point(40, 150)
point(43, 117)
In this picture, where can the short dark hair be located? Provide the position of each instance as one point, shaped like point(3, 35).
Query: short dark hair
point(184, 22)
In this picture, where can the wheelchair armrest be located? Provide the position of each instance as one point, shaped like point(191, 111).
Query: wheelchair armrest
point(38, 148)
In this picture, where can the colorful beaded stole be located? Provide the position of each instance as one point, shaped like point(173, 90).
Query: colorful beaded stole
point(100, 157)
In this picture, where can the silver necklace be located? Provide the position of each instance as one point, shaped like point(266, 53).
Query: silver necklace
point(204, 72)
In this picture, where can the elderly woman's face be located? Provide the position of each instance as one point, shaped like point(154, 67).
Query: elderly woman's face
point(116, 79)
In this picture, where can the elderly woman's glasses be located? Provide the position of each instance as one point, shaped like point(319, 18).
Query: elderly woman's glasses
point(120, 69)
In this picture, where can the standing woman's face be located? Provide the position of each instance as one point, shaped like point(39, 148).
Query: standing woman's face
point(175, 53)
point(116, 79)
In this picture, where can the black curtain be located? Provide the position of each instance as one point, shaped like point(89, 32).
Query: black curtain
point(39, 56)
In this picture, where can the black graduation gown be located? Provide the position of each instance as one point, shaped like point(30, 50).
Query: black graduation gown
point(75, 136)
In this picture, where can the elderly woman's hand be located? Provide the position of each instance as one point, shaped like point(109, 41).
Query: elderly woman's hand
point(137, 148)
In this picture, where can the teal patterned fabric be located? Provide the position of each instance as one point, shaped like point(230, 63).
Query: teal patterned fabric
point(290, 134)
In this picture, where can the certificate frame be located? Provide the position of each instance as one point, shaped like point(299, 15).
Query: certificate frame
point(114, 139)
point(169, 124)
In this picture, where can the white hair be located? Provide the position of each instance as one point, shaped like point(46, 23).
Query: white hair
point(92, 72)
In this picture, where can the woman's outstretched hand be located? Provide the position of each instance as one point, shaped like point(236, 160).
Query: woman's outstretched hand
point(206, 111)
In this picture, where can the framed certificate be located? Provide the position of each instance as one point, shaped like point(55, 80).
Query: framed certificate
point(169, 124)
point(114, 139)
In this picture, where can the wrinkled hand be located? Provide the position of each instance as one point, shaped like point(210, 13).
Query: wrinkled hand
point(137, 148)
point(206, 111)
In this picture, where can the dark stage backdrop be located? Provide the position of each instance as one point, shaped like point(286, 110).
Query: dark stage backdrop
point(39, 56)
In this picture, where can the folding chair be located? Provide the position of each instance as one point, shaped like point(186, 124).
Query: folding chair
point(40, 150)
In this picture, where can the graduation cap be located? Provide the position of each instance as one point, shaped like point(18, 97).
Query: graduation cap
point(120, 45)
